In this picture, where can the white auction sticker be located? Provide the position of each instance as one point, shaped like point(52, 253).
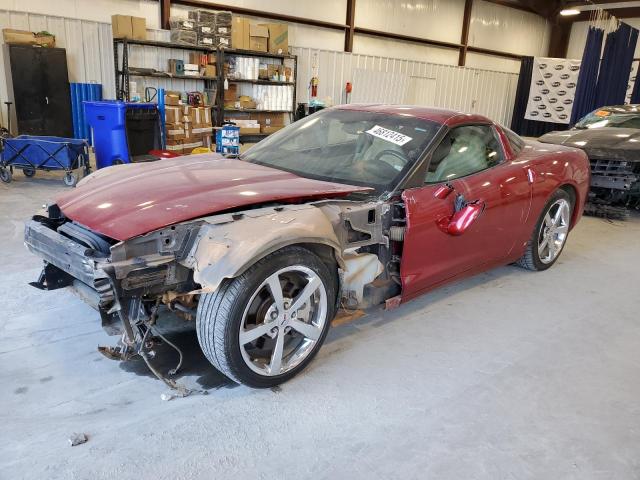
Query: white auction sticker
point(389, 135)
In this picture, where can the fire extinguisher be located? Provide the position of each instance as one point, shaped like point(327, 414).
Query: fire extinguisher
point(315, 80)
point(347, 92)
point(313, 84)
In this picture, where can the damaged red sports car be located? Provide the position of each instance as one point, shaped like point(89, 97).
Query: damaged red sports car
point(352, 207)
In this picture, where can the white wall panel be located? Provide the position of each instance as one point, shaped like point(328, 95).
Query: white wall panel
point(393, 80)
point(369, 45)
point(491, 62)
point(433, 19)
point(577, 39)
point(96, 10)
point(498, 27)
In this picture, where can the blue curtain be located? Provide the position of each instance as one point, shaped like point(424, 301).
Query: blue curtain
point(615, 67)
point(635, 94)
point(585, 99)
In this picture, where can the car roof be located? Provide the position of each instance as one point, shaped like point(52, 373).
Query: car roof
point(633, 108)
point(442, 116)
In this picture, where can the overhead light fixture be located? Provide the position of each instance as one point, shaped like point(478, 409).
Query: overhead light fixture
point(569, 11)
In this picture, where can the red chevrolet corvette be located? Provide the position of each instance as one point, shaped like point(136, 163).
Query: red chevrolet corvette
point(352, 207)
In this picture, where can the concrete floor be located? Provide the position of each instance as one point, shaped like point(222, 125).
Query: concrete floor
point(508, 375)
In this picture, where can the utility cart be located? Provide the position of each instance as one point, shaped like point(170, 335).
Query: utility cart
point(32, 153)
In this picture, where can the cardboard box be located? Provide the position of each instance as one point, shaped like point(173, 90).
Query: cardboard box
point(24, 37)
point(231, 93)
point(172, 115)
point(175, 146)
point(126, 26)
point(202, 130)
point(139, 28)
point(249, 130)
point(272, 129)
point(278, 37)
point(204, 116)
point(198, 58)
point(121, 26)
point(191, 114)
point(258, 38)
point(209, 71)
point(188, 130)
point(172, 98)
point(175, 131)
point(269, 118)
point(247, 103)
point(240, 31)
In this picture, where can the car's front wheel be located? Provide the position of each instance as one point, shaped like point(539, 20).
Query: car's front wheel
point(265, 326)
point(550, 233)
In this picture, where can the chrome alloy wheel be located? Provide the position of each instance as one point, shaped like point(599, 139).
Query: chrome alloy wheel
point(283, 320)
point(554, 230)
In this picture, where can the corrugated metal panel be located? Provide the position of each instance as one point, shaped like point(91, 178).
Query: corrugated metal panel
point(434, 19)
point(499, 27)
point(375, 78)
point(389, 80)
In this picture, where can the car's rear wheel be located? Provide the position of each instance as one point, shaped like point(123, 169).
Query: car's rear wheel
point(265, 326)
point(550, 233)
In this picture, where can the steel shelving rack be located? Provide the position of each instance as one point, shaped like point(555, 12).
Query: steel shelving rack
point(125, 71)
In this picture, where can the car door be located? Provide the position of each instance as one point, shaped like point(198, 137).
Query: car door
point(469, 166)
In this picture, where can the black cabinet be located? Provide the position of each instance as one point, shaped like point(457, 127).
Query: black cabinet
point(41, 93)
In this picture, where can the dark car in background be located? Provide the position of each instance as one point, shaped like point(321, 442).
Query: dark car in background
point(611, 138)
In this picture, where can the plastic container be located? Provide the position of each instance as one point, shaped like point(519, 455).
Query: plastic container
point(206, 41)
point(108, 121)
point(184, 37)
point(228, 140)
point(202, 16)
point(179, 23)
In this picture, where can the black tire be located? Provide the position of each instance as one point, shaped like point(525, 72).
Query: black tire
point(70, 179)
point(531, 258)
point(220, 314)
point(5, 175)
point(29, 172)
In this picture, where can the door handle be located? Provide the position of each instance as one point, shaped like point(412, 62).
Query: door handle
point(46, 99)
point(462, 219)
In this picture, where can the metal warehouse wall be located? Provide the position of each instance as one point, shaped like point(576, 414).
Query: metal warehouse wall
point(390, 80)
point(375, 79)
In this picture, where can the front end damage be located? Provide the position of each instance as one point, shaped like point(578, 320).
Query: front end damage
point(128, 282)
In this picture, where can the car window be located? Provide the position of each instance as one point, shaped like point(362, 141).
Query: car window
point(610, 117)
point(465, 150)
point(348, 146)
point(516, 143)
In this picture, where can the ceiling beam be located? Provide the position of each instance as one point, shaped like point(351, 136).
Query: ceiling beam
point(349, 32)
point(464, 38)
point(165, 13)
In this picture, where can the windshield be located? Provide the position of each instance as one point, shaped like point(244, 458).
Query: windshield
point(607, 118)
point(347, 146)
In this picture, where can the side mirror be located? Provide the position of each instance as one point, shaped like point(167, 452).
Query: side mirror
point(460, 221)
